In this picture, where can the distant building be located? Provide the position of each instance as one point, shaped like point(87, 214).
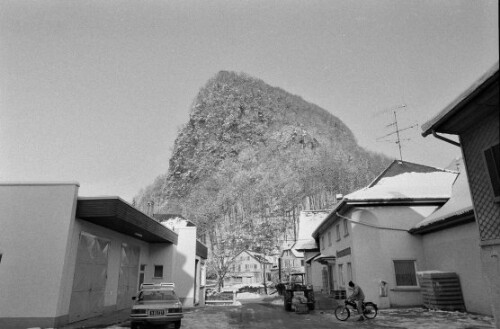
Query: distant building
point(247, 268)
point(309, 220)
point(474, 117)
point(65, 258)
point(292, 261)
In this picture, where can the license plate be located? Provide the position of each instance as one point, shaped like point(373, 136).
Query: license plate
point(157, 312)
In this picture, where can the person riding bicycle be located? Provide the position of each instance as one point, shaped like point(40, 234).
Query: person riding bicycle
point(357, 296)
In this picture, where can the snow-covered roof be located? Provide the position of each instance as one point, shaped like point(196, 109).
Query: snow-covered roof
point(404, 180)
point(308, 222)
point(259, 257)
point(460, 203)
point(295, 253)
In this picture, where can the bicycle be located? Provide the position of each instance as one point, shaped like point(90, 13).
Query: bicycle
point(343, 313)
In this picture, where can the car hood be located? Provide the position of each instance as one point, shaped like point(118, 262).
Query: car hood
point(153, 305)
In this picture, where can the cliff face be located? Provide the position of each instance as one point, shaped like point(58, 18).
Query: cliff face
point(253, 151)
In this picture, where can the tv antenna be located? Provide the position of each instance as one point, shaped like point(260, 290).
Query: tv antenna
point(396, 130)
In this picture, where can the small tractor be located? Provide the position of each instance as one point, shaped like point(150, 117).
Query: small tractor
point(296, 287)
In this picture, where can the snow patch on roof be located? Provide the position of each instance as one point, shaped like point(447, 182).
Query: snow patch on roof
point(308, 222)
point(408, 185)
point(459, 203)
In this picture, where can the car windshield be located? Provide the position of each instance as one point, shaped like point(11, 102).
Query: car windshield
point(165, 295)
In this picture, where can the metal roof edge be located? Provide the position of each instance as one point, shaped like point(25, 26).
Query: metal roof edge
point(448, 222)
point(479, 85)
point(35, 183)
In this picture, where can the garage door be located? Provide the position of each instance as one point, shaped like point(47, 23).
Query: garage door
point(89, 281)
point(129, 269)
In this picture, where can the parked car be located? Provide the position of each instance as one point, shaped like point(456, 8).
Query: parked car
point(156, 304)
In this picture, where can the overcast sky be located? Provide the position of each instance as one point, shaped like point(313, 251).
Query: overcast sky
point(96, 91)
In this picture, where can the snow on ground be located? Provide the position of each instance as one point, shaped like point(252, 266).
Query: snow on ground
point(419, 318)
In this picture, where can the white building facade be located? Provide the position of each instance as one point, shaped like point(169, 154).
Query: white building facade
point(65, 258)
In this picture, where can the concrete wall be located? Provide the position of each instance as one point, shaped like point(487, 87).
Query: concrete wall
point(457, 250)
point(35, 223)
point(184, 268)
point(313, 272)
point(39, 239)
point(114, 260)
point(374, 251)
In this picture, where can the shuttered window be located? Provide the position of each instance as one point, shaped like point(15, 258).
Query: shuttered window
point(158, 271)
point(405, 272)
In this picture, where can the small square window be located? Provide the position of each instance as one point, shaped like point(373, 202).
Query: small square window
point(143, 267)
point(158, 271)
point(405, 273)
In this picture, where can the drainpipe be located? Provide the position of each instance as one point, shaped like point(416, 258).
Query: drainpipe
point(444, 139)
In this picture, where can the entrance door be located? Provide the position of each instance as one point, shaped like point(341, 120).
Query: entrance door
point(127, 281)
point(89, 281)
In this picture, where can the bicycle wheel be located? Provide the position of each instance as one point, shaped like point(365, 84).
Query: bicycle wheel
point(342, 313)
point(370, 311)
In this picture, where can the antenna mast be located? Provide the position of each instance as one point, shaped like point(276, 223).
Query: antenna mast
point(397, 130)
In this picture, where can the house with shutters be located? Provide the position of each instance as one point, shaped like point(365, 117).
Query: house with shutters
point(292, 261)
point(248, 268)
point(65, 258)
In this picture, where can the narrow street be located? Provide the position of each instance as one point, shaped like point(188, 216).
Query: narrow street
point(258, 314)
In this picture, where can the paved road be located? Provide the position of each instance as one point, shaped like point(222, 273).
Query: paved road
point(257, 314)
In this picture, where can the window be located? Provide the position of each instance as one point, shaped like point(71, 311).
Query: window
point(301, 262)
point(341, 275)
point(323, 242)
point(492, 159)
point(143, 267)
point(255, 266)
point(287, 263)
point(158, 271)
point(246, 266)
point(239, 268)
point(349, 271)
point(405, 272)
point(338, 231)
point(329, 238)
point(346, 228)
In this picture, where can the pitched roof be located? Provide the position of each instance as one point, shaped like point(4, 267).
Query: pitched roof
point(308, 222)
point(407, 181)
point(458, 206)
point(402, 182)
point(451, 119)
point(295, 252)
point(261, 258)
